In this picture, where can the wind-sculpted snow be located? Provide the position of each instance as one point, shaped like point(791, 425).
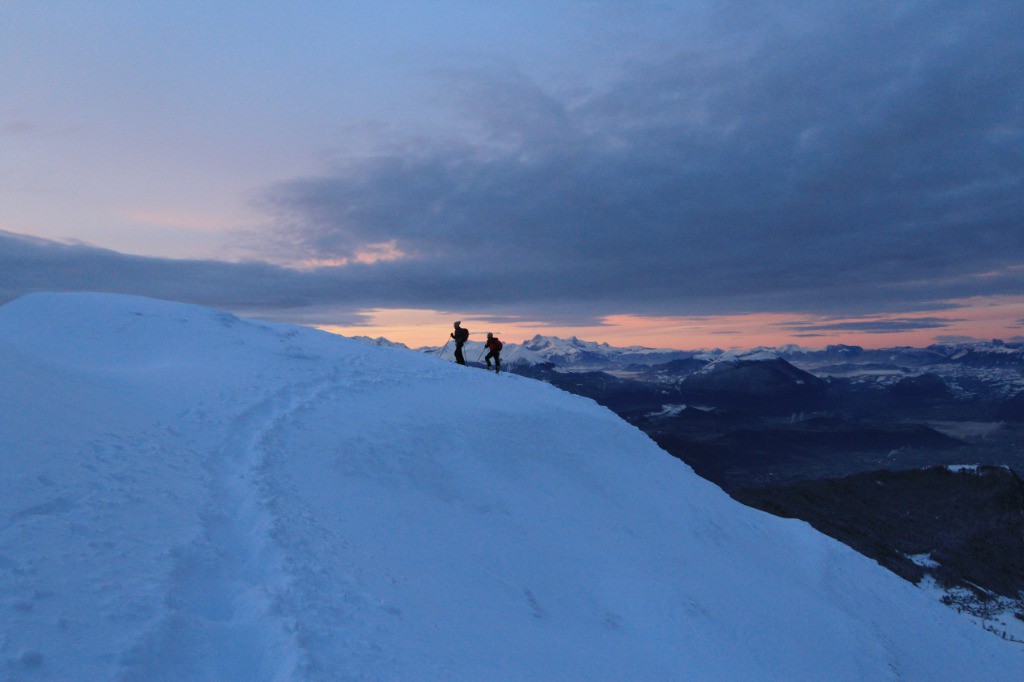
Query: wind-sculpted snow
point(186, 495)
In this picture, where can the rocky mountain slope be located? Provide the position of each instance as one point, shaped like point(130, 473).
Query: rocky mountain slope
point(961, 526)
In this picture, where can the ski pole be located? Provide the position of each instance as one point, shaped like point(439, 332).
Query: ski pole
point(441, 354)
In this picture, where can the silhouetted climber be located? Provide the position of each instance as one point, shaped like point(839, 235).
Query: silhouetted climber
point(494, 347)
point(461, 335)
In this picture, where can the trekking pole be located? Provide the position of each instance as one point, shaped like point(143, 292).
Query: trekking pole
point(441, 354)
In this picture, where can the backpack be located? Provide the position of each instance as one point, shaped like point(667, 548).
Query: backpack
point(497, 344)
point(461, 334)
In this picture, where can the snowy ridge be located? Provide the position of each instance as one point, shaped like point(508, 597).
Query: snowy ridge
point(756, 355)
point(574, 352)
point(994, 347)
point(513, 355)
point(186, 495)
point(577, 353)
point(379, 341)
point(731, 359)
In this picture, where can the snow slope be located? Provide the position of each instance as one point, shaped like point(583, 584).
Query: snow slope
point(186, 495)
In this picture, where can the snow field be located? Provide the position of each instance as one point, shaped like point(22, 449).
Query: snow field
point(186, 495)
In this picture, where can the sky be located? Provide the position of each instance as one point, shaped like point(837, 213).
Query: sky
point(672, 174)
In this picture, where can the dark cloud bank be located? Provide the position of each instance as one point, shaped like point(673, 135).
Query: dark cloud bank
point(879, 326)
point(28, 264)
point(844, 159)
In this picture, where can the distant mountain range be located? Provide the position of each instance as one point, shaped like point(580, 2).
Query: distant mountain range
point(965, 381)
point(576, 354)
point(573, 353)
point(966, 378)
point(380, 342)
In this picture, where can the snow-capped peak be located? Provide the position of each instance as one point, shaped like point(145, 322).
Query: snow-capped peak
point(380, 341)
point(574, 352)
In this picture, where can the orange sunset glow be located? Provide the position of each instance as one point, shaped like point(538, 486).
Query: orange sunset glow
point(982, 319)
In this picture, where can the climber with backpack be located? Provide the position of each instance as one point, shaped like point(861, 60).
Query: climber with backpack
point(493, 346)
point(461, 335)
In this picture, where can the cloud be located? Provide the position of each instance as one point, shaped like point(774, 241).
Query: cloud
point(956, 338)
point(337, 295)
point(30, 264)
point(878, 326)
point(840, 160)
point(847, 159)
